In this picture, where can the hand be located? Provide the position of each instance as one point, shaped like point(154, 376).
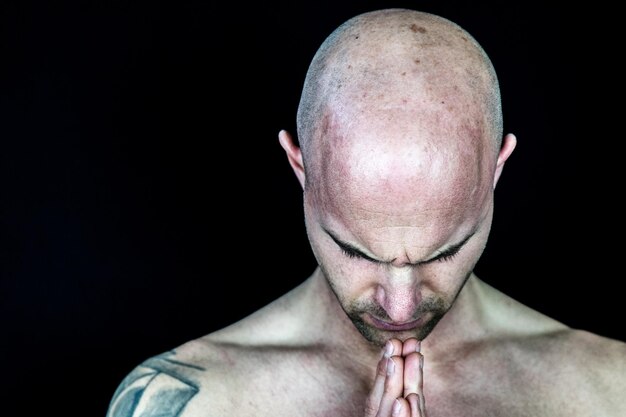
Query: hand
point(398, 387)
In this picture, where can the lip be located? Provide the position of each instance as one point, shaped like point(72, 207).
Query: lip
point(394, 327)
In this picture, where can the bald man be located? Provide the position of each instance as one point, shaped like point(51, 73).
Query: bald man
point(400, 148)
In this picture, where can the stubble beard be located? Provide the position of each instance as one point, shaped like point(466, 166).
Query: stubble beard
point(355, 311)
point(435, 308)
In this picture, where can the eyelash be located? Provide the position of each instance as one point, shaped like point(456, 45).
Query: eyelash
point(350, 254)
point(353, 255)
point(447, 257)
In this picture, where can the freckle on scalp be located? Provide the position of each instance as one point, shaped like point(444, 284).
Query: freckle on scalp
point(415, 28)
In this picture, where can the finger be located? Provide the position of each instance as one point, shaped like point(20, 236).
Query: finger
point(420, 386)
point(422, 407)
point(376, 394)
point(396, 347)
point(393, 385)
point(410, 345)
point(401, 408)
point(391, 348)
point(412, 374)
point(414, 404)
point(372, 405)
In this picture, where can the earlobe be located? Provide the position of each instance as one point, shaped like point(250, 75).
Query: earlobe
point(508, 145)
point(294, 155)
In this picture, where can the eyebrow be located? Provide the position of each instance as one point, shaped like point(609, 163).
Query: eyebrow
point(350, 248)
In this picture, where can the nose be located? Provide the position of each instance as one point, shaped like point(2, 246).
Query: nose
point(398, 293)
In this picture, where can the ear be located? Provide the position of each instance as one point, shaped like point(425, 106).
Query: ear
point(506, 150)
point(294, 155)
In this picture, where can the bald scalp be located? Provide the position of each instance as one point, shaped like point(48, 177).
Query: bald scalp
point(397, 79)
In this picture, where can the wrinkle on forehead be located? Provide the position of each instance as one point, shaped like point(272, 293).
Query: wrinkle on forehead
point(410, 224)
point(401, 168)
point(398, 185)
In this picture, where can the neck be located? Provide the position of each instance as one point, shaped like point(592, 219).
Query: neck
point(462, 324)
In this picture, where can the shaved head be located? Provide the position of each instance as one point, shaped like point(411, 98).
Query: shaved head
point(396, 96)
point(400, 132)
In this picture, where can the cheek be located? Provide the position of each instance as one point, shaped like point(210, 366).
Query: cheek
point(449, 276)
point(351, 275)
point(343, 273)
point(444, 277)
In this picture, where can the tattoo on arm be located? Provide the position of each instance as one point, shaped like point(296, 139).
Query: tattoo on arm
point(156, 388)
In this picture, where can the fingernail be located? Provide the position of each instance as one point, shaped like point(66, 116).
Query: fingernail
point(388, 349)
point(418, 347)
point(390, 366)
point(396, 408)
point(421, 362)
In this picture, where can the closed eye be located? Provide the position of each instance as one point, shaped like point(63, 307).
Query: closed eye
point(354, 254)
point(449, 253)
point(348, 253)
point(445, 257)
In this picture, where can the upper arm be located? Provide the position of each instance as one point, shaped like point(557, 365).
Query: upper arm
point(161, 386)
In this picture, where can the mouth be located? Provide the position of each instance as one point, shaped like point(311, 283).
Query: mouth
point(390, 326)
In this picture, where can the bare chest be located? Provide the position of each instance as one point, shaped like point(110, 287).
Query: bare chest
point(319, 387)
point(468, 392)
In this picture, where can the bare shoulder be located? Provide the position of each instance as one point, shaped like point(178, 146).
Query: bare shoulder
point(578, 367)
point(597, 360)
point(210, 376)
point(162, 385)
point(565, 365)
point(165, 385)
point(601, 358)
point(206, 376)
point(196, 379)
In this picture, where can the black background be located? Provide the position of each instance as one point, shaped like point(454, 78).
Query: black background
point(145, 200)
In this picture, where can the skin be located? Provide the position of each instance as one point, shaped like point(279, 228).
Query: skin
point(398, 168)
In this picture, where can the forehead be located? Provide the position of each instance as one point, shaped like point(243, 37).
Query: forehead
point(389, 163)
point(393, 209)
point(390, 225)
point(396, 181)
